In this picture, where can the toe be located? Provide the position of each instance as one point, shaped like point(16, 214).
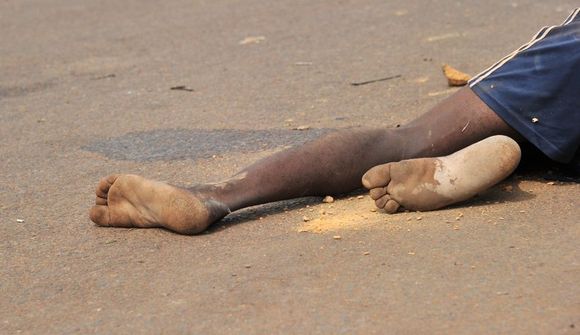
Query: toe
point(104, 185)
point(382, 201)
point(103, 188)
point(378, 192)
point(378, 176)
point(112, 178)
point(100, 201)
point(391, 206)
point(100, 215)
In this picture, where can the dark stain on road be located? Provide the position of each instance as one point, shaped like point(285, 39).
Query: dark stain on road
point(20, 91)
point(179, 144)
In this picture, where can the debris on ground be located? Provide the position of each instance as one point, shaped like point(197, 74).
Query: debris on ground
point(443, 37)
point(252, 40)
point(337, 237)
point(454, 76)
point(181, 88)
point(112, 75)
point(438, 93)
point(301, 128)
point(421, 80)
point(375, 80)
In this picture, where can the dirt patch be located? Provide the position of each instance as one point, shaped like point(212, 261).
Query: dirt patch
point(352, 213)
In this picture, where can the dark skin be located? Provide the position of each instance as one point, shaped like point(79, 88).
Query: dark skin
point(333, 164)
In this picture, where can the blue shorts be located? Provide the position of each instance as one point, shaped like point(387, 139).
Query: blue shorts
point(536, 89)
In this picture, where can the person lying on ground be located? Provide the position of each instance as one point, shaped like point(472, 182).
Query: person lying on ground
point(462, 146)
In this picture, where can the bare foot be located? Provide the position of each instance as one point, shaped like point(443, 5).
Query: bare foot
point(430, 183)
point(133, 201)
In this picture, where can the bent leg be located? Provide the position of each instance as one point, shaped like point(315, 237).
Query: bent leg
point(332, 164)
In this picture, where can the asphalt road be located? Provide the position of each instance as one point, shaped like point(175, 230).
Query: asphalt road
point(85, 90)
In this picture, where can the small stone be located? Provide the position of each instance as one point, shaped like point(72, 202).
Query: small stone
point(328, 199)
point(551, 183)
point(535, 120)
point(360, 197)
point(247, 266)
point(419, 218)
point(305, 218)
point(337, 237)
point(19, 220)
point(366, 253)
point(373, 210)
point(411, 253)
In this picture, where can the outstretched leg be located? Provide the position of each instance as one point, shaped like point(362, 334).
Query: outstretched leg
point(332, 164)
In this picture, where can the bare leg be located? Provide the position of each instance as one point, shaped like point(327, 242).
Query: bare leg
point(330, 165)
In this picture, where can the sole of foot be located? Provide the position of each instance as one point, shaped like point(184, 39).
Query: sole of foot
point(133, 201)
point(431, 183)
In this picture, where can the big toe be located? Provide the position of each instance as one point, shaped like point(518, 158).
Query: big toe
point(100, 215)
point(378, 176)
point(104, 185)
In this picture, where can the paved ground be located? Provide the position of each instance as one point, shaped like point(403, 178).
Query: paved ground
point(85, 91)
